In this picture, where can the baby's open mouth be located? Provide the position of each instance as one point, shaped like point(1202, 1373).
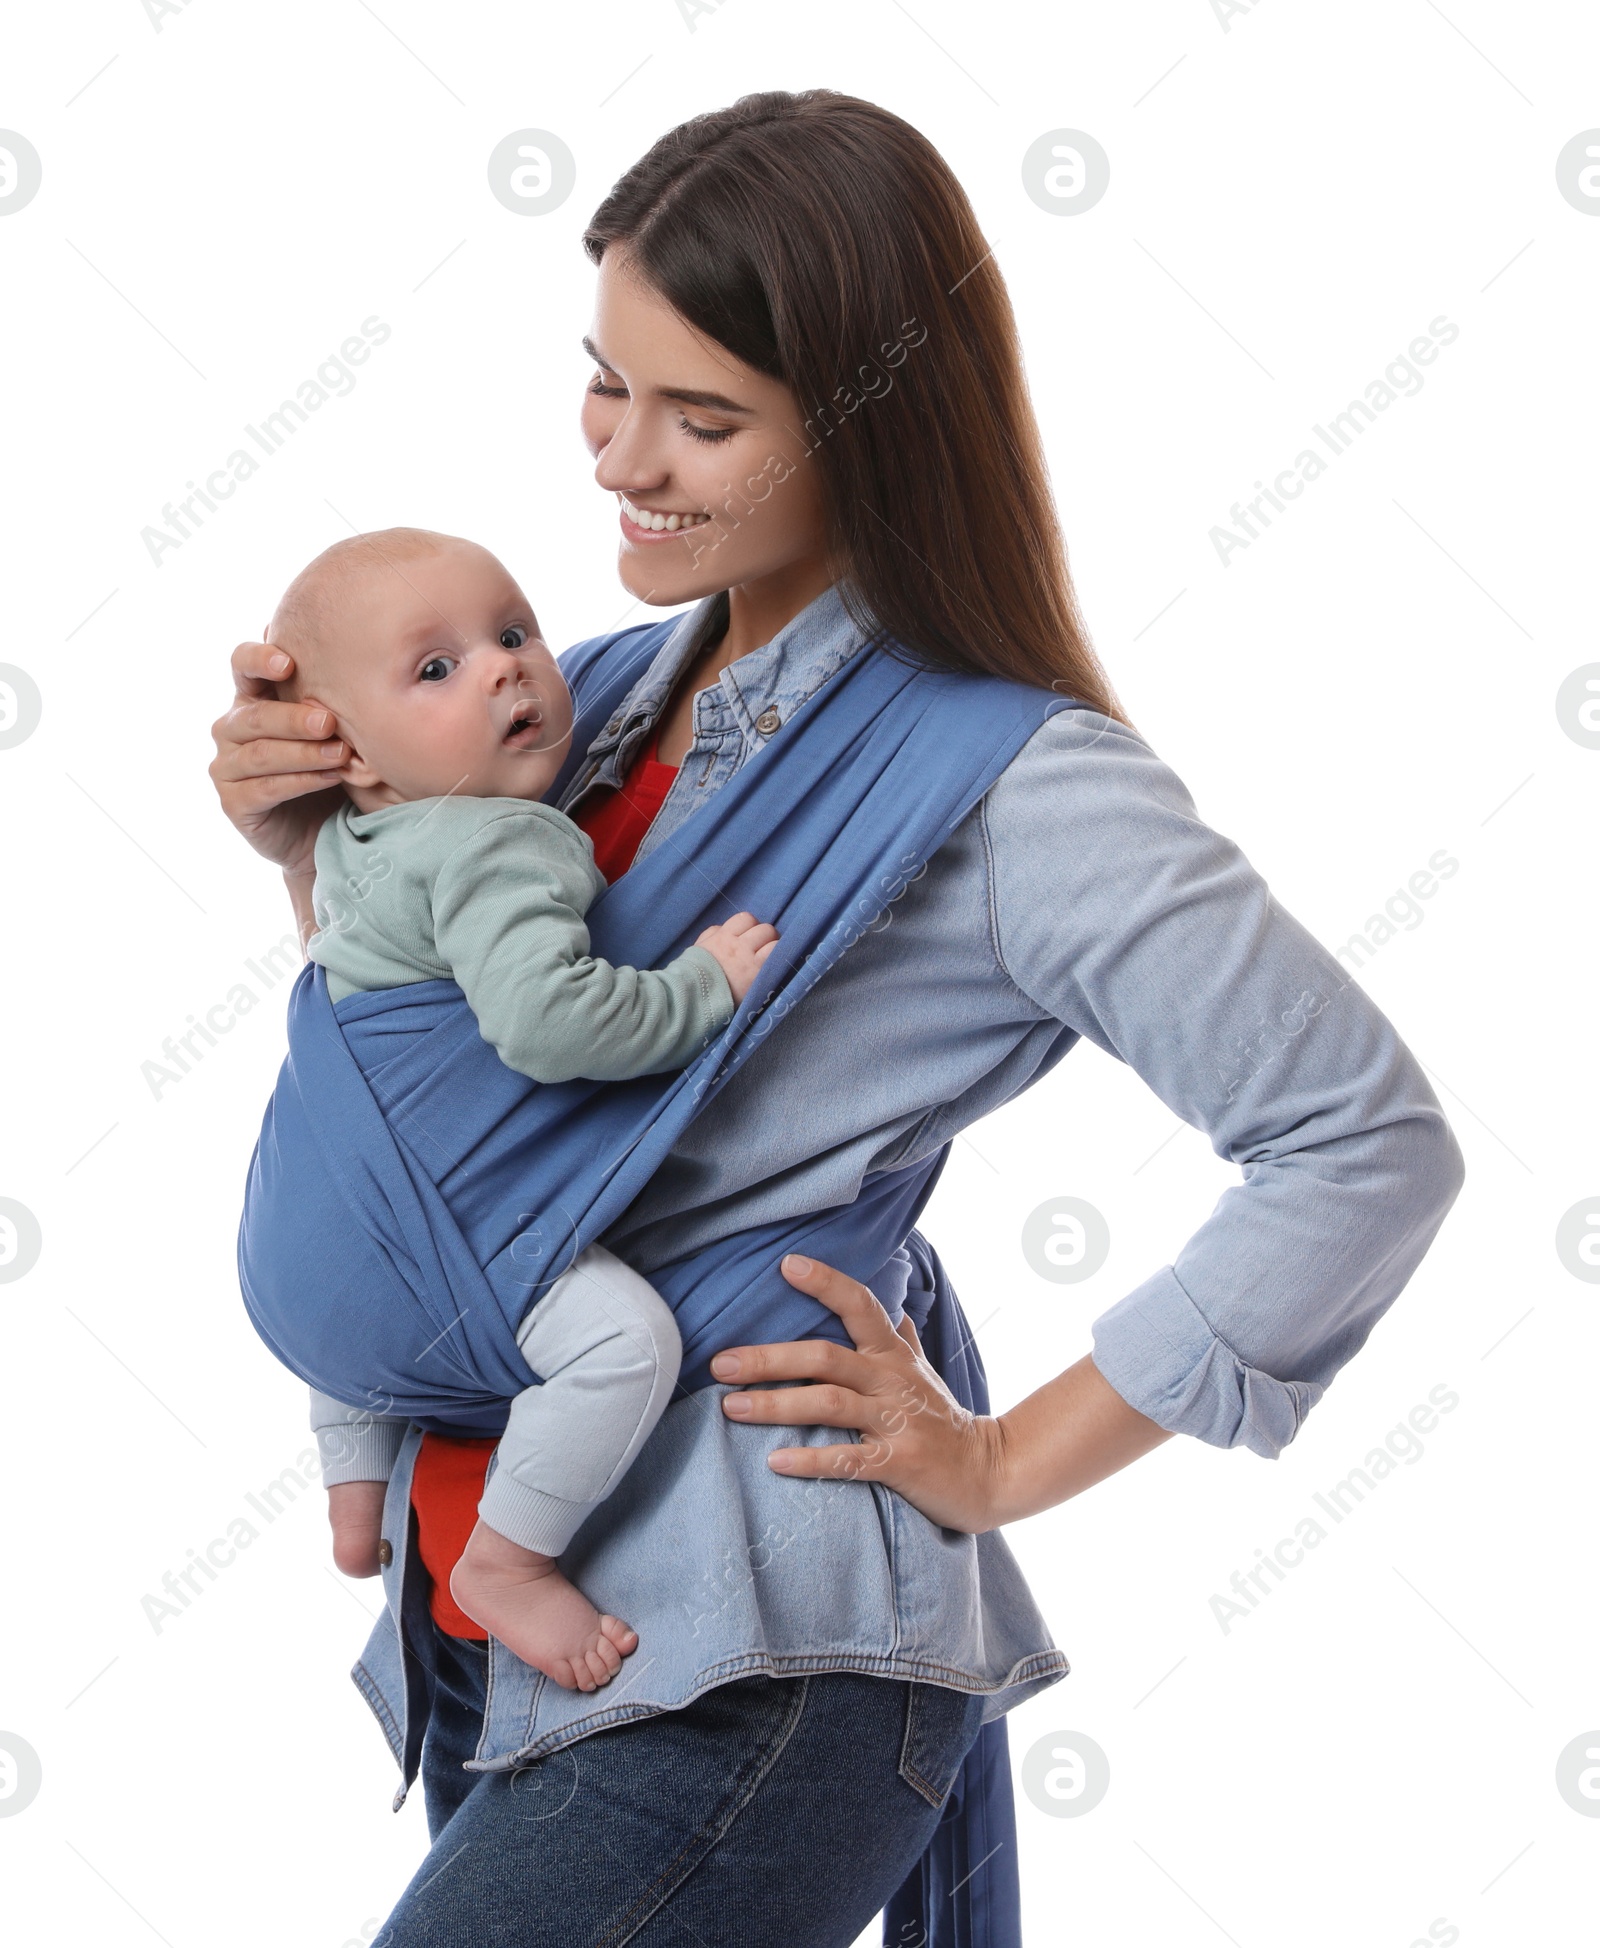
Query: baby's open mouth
point(527, 720)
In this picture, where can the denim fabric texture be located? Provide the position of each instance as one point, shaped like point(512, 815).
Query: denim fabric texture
point(658, 1835)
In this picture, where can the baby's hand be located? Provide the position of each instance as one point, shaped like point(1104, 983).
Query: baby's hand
point(739, 946)
point(355, 1514)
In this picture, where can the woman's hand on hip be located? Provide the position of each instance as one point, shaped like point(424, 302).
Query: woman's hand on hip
point(277, 764)
point(964, 1471)
point(915, 1436)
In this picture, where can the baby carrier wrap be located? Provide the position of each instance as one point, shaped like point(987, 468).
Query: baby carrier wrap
point(411, 1197)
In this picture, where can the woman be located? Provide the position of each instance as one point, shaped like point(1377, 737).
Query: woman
point(808, 403)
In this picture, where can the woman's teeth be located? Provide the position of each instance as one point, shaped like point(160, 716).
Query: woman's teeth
point(661, 523)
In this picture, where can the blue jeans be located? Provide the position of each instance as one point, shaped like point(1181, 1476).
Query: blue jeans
point(774, 1812)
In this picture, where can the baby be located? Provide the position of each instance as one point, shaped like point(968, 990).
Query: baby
point(444, 865)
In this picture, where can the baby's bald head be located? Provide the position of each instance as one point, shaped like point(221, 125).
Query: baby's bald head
point(313, 617)
point(430, 657)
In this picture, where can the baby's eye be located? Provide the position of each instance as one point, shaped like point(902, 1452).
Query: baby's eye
point(436, 669)
point(514, 637)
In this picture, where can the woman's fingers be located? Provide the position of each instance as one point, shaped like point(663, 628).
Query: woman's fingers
point(277, 765)
point(860, 1461)
point(907, 1330)
point(249, 796)
point(265, 757)
point(913, 1435)
point(864, 1319)
point(820, 1359)
point(260, 735)
point(249, 718)
point(257, 666)
point(815, 1406)
point(267, 717)
point(794, 1359)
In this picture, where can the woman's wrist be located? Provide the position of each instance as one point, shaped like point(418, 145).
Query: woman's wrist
point(1075, 1431)
point(300, 883)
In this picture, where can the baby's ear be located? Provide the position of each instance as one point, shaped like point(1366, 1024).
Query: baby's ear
point(356, 771)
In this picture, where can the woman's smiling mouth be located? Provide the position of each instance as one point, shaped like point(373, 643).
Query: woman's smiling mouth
point(639, 523)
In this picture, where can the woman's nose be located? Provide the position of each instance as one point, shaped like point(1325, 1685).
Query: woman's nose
point(625, 464)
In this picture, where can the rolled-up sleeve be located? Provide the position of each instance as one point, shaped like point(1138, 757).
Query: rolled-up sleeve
point(1125, 916)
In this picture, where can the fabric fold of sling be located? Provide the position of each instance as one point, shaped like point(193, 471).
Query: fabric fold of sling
point(410, 1196)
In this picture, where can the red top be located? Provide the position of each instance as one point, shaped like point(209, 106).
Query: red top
point(618, 822)
point(448, 1482)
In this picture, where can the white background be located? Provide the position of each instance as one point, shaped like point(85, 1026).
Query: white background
point(1295, 193)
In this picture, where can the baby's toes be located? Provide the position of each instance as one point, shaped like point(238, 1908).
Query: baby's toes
point(615, 1631)
point(603, 1661)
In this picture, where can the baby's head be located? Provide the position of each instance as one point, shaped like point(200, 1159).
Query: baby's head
point(430, 657)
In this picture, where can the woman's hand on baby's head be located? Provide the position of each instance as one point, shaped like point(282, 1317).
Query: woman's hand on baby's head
point(277, 764)
point(739, 946)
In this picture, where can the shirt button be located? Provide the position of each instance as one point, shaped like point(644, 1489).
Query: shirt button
point(768, 722)
point(386, 1552)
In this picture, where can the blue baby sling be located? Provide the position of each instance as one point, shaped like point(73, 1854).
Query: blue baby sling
point(410, 1196)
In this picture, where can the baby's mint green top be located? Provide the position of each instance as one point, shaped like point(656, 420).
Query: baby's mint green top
point(490, 893)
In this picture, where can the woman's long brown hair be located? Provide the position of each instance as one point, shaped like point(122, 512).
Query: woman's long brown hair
point(826, 243)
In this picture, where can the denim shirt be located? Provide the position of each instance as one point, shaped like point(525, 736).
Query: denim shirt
point(1083, 897)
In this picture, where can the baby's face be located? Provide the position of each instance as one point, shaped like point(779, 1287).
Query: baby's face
point(440, 680)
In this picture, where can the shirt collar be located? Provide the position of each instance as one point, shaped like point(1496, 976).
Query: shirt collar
point(764, 689)
point(761, 690)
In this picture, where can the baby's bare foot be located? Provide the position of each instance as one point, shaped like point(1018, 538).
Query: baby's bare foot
point(523, 1599)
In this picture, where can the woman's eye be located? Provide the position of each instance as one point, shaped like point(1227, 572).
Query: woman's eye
point(514, 637)
point(436, 669)
point(602, 391)
point(710, 434)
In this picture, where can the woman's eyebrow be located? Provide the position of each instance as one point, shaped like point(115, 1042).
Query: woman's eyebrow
point(713, 401)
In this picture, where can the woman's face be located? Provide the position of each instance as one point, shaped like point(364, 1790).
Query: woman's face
point(688, 437)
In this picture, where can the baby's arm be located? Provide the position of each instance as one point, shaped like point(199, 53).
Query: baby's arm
point(508, 910)
point(357, 1450)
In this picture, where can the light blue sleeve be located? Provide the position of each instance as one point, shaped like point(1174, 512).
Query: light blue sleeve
point(1118, 910)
